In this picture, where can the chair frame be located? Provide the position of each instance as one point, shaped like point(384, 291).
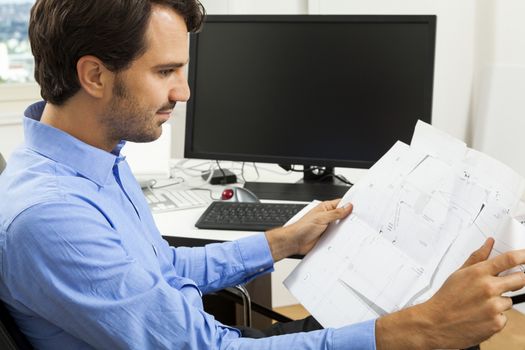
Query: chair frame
point(11, 338)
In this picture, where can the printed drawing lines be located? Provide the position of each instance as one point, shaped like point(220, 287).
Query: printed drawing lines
point(419, 212)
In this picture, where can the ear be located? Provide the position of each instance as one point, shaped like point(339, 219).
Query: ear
point(93, 76)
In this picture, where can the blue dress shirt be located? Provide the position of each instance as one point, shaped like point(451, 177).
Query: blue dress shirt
point(82, 264)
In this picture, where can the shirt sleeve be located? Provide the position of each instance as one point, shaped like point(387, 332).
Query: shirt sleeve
point(359, 336)
point(79, 278)
point(73, 271)
point(216, 266)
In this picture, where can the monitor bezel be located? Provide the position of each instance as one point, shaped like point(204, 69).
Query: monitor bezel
point(297, 160)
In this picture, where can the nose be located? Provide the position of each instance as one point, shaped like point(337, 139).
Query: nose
point(180, 92)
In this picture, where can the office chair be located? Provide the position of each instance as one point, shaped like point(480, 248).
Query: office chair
point(11, 338)
point(2, 163)
point(239, 294)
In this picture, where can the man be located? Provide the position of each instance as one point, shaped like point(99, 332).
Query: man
point(83, 265)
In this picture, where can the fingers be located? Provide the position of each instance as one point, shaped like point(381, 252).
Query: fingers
point(497, 306)
point(512, 282)
point(343, 211)
point(336, 214)
point(481, 254)
point(505, 261)
point(328, 205)
point(327, 211)
point(501, 322)
point(505, 303)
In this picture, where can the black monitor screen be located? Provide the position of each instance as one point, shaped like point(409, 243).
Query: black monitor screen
point(317, 90)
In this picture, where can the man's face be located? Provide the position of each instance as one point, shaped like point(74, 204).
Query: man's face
point(145, 94)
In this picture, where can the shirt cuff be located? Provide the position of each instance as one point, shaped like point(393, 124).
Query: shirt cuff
point(360, 336)
point(256, 255)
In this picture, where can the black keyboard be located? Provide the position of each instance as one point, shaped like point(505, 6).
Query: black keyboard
point(247, 216)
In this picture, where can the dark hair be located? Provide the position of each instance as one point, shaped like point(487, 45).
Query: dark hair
point(62, 31)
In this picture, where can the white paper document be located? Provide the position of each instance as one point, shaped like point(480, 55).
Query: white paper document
point(418, 214)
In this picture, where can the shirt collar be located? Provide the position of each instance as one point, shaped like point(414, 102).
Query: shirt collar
point(91, 162)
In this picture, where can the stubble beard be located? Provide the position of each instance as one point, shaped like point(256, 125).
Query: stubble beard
point(125, 119)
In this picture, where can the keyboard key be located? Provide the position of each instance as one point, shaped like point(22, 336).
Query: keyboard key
point(166, 199)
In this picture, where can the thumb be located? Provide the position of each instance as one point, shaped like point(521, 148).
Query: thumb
point(336, 214)
point(481, 254)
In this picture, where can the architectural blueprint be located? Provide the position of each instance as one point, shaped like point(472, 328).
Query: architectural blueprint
point(418, 214)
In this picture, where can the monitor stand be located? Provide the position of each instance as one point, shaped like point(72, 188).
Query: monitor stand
point(312, 186)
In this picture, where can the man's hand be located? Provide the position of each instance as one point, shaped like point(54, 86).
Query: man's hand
point(300, 237)
point(466, 310)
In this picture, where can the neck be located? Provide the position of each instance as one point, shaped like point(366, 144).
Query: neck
point(79, 117)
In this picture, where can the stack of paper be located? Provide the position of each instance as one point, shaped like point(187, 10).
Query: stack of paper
point(418, 214)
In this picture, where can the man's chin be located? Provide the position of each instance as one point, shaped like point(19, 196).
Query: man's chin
point(149, 137)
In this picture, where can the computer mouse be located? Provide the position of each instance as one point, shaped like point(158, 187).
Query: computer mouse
point(239, 194)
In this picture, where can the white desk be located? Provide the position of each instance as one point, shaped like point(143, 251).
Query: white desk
point(180, 224)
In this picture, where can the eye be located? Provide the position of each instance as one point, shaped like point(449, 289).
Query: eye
point(165, 72)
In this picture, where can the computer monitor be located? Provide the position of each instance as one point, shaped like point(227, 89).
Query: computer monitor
point(314, 90)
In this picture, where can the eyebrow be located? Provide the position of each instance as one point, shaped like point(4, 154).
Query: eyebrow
point(171, 65)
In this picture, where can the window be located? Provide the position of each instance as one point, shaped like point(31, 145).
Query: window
point(16, 60)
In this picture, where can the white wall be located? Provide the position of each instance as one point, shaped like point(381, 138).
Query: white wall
point(498, 111)
point(255, 6)
point(509, 31)
point(11, 134)
point(13, 101)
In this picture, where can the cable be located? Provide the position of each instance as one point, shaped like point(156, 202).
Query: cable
point(194, 171)
point(223, 180)
point(205, 189)
point(242, 173)
point(338, 177)
point(180, 180)
point(343, 179)
point(256, 172)
point(279, 172)
point(325, 176)
point(194, 168)
point(152, 187)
